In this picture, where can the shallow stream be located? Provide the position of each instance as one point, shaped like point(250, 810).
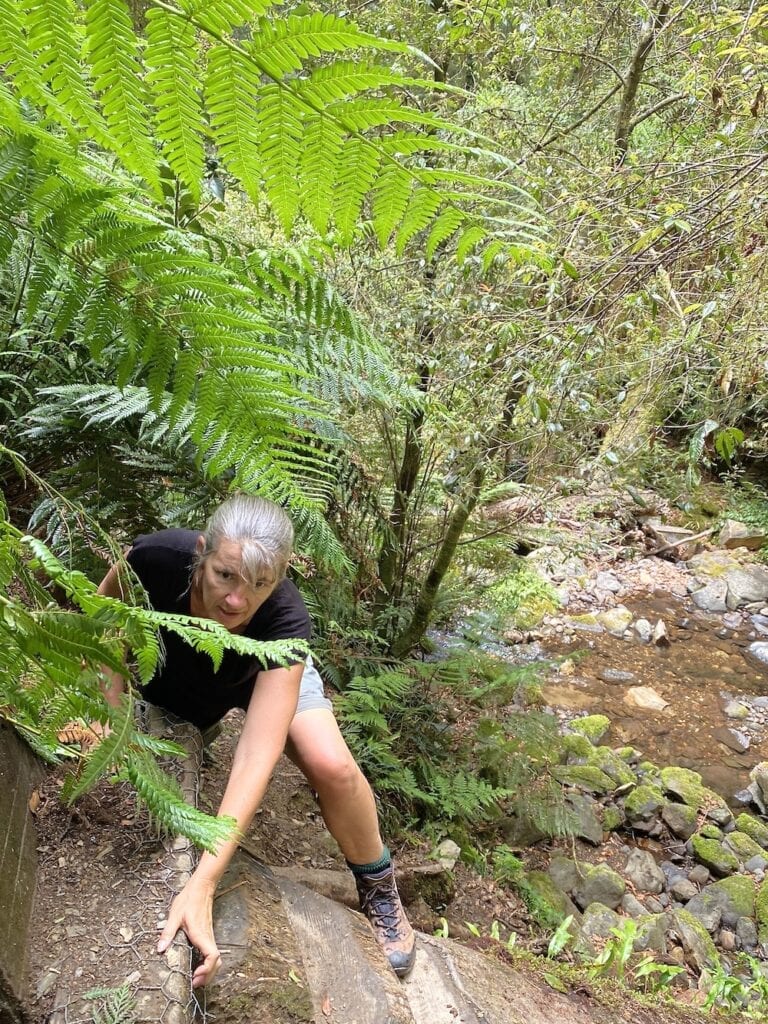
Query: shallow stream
point(705, 667)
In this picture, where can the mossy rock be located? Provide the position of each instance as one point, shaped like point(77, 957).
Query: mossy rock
point(643, 802)
point(713, 855)
point(594, 727)
point(605, 759)
point(696, 940)
point(598, 884)
point(613, 818)
point(627, 754)
point(651, 933)
point(687, 786)
point(680, 819)
point(577, 748)
point(710, 831)
point(584, 776)
point(743, 846)
point(548, 904)
point(761, 911)
point(753, 828)
point(740, 891)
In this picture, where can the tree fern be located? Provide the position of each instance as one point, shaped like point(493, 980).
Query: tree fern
point(173, 84)
point(113, 50)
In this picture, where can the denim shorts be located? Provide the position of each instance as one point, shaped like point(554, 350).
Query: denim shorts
point(311, 694)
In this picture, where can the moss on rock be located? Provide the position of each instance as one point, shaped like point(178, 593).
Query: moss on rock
point(545, 901)
point(523, 598)
point(577, 748)
point(644, 802)
point(696, 940)
point(713, 855)
point(761, 911)
point(687, 786)
point(613, 818)
point(753, 828)
point(605, 759)
point(584, 776)
point(743, 846)
point(594, 727)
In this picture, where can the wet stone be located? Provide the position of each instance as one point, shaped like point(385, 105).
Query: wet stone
point(759, 650)
point(734, 739)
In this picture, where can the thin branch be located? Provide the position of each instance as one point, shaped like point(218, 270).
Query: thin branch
point(656, 109)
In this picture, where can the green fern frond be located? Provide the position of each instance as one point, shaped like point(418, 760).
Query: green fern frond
point(280, 133)
point(222, 16)
point(58, 56)
point(232, 84)
point(321, 145)
point(470, 238)
point(390, 200)
point(117, 77)
point(282, 46)
point(443, 228)
point(358, 167)
point(171, 56)
point(20, 63)
point(360, 115)
point(421, 211)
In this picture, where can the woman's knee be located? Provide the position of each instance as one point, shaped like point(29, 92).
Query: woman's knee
point(334, 773)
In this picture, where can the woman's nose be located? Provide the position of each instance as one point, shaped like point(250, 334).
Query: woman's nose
point(236, 597)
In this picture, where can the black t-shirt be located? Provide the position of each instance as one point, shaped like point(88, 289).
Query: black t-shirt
point(186, 683)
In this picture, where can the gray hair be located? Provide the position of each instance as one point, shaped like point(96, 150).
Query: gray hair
point(263, 531)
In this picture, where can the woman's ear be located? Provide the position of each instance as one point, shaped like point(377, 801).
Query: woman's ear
point(200, 544)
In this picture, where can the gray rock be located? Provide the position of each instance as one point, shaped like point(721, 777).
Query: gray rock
point(746, 584)
point(598, 921)
point(615, 675)
point(734, 739)
point(644, 630)
point(746, 932)
point(726, 939)
point(679, 819)
point(757, 796)
point(446, 854)
point(724, 902)
point(756, 865)
point(760, 622)
point(711, 598)
point(683, 890)
point(600, 884)
point(643, 872)
point(721, 816)
point(694, 939)
point(732, 620)
point(631, 905)
point(709, 564)
point(743, 797)
point(607, 581)
point(584, 820)
point(653, 906)
point(564, 873)
point(759, 776)
point(672, 873)
point(651, 934)
point(699, 875)
point(738, 535)
point(759, 650)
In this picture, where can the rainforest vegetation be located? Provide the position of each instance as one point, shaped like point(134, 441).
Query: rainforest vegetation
point(386, 265)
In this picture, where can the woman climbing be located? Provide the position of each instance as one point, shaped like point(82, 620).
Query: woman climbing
point(234, 574)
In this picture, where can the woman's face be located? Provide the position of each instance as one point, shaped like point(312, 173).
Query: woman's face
point(220, 592)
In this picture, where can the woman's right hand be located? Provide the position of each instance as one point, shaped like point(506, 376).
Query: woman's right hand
point(192, 911)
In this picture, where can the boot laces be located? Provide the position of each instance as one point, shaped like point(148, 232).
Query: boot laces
point(382, 908)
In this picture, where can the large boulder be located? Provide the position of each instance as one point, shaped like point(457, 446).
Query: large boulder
point(714, 855)
point(695, 940)
point(746, 585)
point(754, 828)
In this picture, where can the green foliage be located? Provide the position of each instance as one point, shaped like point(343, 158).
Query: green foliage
point(285, 108)
point(523, 598)
point(560, 937)
point(615, 955)
point(742, 990)
point(116, 1005)
point(400, 725)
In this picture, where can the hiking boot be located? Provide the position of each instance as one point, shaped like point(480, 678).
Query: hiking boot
point(380, 902)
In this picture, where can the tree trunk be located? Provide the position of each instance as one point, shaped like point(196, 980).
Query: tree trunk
point(632, 80)
point(425, 602)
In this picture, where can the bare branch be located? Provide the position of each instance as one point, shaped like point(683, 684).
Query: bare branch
point(656, 108)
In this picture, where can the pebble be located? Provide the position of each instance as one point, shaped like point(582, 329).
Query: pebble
point(616, 675)
point(698, 874)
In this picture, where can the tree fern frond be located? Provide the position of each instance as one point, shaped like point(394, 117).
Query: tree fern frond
point(282, 46)
point(232, 84)
point(20, 64)
point(469, 239)
point(221, 16)
point(321, 146)
point(359, 115)
point(345, 78)
point(58, 56)
point(114, 52)
point(390, 200)
point(280, 133)
point(171, 56)
point(358, 167)
point(422, 208)
point(446, 224)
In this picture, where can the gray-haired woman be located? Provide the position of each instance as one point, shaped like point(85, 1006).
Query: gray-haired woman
point(234, 574)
